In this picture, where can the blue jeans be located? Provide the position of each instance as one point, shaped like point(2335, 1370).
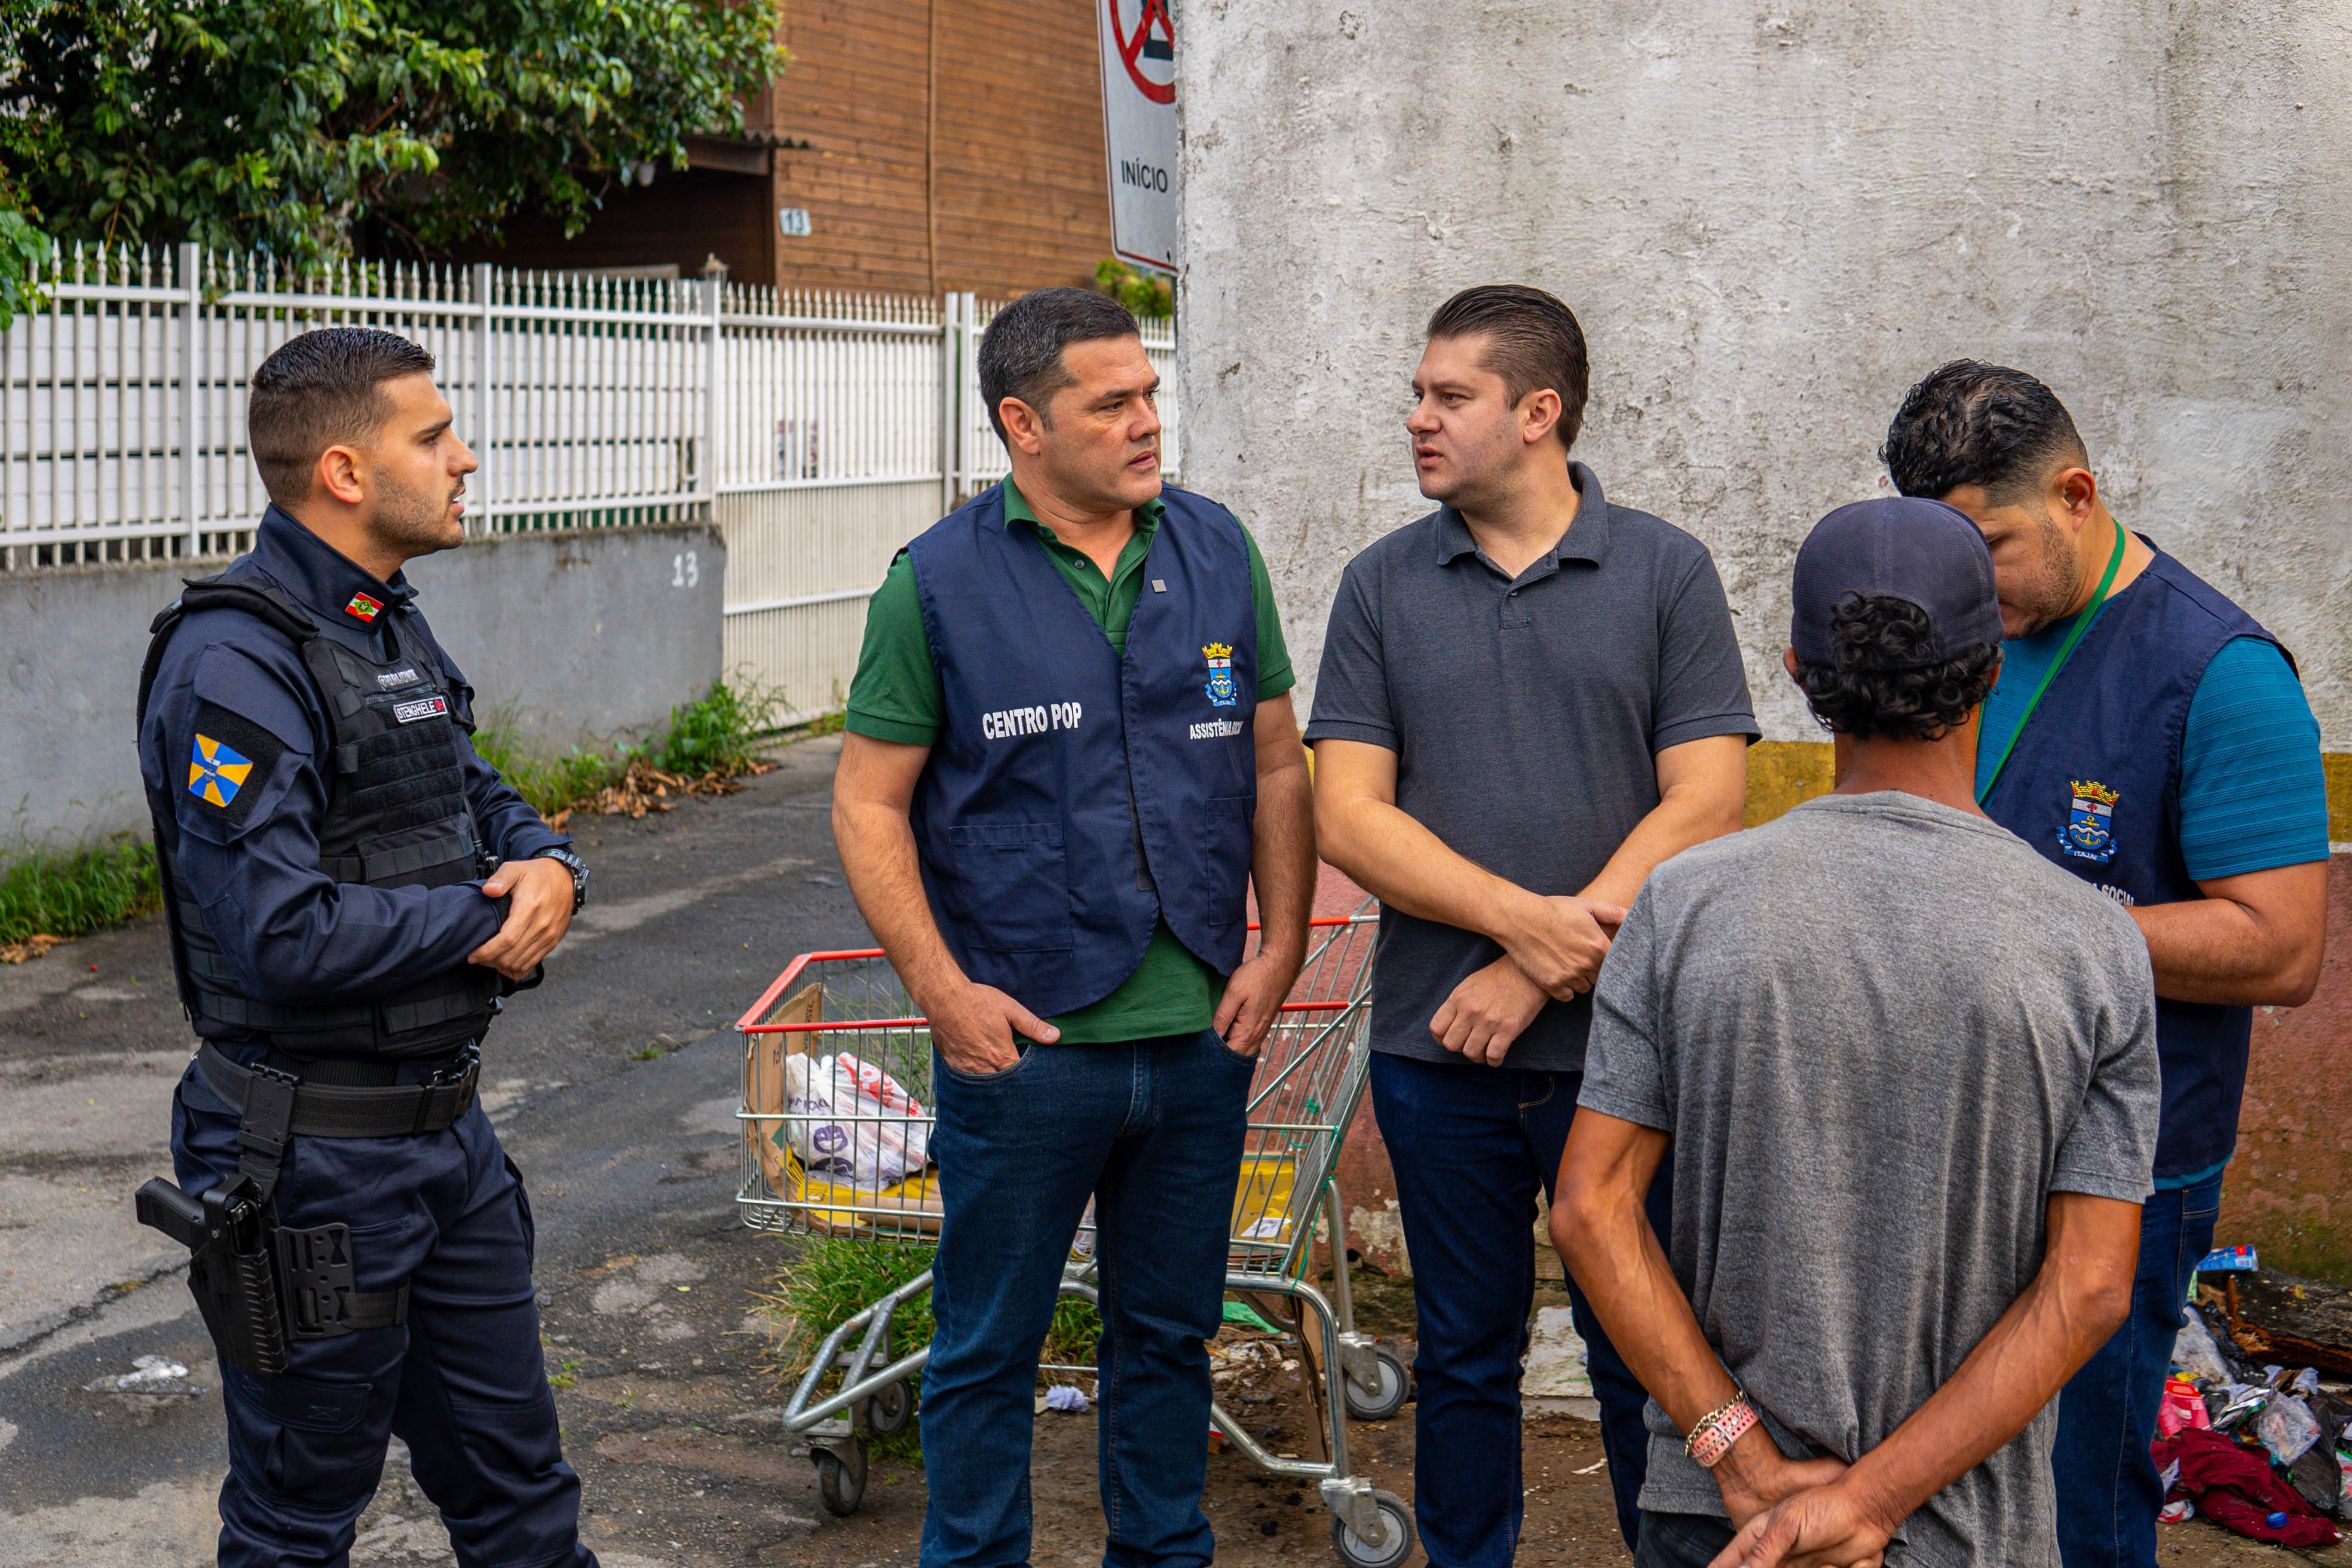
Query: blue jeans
point(1470, 1146)
point(1681, 1539)
point(1152, 1130)
point(461, 1382)
point(2108, 1488)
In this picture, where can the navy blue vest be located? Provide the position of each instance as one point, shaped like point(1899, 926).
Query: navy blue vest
point(1073, 798)
point(2094, 784)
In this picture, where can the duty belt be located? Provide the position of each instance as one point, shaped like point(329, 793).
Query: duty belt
point(336, 1110)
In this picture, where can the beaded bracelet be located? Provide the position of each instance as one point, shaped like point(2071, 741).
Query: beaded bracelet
point(1717, 1431)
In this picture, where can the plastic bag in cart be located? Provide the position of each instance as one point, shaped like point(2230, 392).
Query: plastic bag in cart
point(850, 1121)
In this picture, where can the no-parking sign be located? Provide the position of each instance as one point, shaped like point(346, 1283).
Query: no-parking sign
point(1138, 71)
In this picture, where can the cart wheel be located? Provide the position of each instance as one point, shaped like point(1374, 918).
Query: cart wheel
point(1397, 1536)
point(887, 1411)
point(840, 1478)
point(1385, 1396)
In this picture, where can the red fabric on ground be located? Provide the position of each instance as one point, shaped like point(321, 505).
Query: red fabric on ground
point(2236, 1486)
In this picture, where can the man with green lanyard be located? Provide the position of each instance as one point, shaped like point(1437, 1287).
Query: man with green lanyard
point(1071, 750)
point(2148, 735)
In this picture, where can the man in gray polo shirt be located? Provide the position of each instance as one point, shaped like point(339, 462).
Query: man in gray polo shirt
point(1529, 698)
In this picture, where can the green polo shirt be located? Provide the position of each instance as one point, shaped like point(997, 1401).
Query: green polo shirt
point(896, 696)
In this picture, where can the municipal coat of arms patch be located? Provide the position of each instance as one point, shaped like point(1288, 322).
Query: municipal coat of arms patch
point(215, 772)
point(1222, 690)
point(2089, 834)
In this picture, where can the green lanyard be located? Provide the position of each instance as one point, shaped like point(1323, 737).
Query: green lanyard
point(2081, 625)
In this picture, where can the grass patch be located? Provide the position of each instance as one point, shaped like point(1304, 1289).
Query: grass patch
point(64, 893)
point(718, 732)
point(717, 736)
point(834, 1278)
point(549, 782)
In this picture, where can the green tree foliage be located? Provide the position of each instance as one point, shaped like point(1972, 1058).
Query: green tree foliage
point(282, 125)
point(1143, 293)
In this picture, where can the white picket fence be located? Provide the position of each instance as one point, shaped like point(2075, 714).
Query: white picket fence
point(818, 431)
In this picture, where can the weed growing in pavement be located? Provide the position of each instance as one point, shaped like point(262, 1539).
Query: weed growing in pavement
point(50, 895)
point(718, 732)
point(835, 1278)
point(551, 782)
point(715, 738)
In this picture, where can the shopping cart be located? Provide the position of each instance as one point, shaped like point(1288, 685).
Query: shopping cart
point(861, 1172)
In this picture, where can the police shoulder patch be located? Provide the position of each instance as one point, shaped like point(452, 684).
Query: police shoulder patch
point(230, 760)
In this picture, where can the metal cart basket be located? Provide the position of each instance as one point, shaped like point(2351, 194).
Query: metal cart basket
point(836, 1121)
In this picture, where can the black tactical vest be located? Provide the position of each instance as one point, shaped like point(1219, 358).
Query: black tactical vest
point(396, 816)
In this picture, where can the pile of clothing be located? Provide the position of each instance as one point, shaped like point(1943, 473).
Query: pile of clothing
point(2263, 1450)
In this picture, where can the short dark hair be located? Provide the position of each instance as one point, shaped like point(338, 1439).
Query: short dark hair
point(1969, 423)
point(319, 389)
point(1873, 689)
point(1532, 343)
point(1021, 352)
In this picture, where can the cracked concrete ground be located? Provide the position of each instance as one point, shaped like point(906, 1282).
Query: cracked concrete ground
point(615, 1089)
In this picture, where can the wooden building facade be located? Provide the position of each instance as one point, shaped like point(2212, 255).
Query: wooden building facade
point(932, 144)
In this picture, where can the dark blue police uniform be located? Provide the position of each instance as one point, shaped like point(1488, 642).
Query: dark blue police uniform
point(325, 825)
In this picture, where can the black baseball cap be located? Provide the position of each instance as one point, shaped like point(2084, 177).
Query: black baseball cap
point(1902, 547)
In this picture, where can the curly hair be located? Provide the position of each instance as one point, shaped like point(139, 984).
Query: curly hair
point(1969, 423)
point(1876, 688)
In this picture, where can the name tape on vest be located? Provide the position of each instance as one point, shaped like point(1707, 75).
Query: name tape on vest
point(392, 679)
point(422, 708)
point(1217, 730)
point(1007, 723)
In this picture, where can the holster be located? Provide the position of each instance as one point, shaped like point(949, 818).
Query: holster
point(230, 1271)
point(261, 1284)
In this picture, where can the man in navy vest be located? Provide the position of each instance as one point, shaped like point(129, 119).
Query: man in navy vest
point(1070, 750)
point(2150, 737)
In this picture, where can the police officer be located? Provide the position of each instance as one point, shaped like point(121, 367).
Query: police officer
point(351, 891)
point(2148, 736)
point(1070, 748)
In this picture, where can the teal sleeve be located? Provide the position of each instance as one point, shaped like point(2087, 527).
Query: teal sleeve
point(1274, 673)
point(896, 693)
point(2253, 796)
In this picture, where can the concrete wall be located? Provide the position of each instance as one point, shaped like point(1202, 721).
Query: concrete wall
point(568, 636)
point(1772, 218)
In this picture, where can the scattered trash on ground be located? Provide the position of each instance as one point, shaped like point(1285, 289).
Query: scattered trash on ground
point(151, 1375)
point(1239, 1312)
point(1063, 1396)
point(2251, 1432)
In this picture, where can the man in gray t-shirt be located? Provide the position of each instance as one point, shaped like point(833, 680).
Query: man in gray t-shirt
point(1909, 1070)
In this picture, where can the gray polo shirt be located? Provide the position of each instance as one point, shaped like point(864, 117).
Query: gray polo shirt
point(1526, 714)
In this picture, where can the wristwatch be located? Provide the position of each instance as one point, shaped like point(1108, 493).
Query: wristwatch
point(577, 866)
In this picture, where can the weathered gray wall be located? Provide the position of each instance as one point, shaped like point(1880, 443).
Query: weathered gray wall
point(571, 637)
point(1772, 217)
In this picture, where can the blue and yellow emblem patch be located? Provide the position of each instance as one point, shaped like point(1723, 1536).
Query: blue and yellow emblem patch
point(1222, 693)
point(2089, 834)
point(216, 772)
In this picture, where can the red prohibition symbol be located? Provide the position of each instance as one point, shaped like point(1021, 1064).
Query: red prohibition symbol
point(1152, 19)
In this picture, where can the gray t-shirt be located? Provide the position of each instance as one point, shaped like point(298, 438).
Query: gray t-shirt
point(1527, 715)
point(1881, 1032)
